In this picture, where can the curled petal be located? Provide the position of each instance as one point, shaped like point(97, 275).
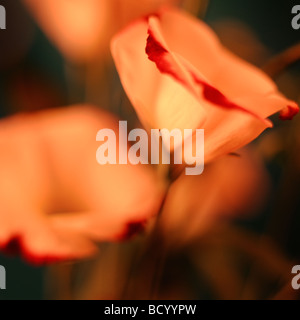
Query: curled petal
point(160, 101)
point(289, 112)
point(182, 71)
point(194, 82)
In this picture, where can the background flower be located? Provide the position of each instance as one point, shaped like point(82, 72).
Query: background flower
point(82, 28)
point(233, 186)
point(66, 201)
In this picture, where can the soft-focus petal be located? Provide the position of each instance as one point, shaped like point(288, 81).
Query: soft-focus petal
point(56, 200)
point(82, 29)
point(234, 185)
point(77, 27)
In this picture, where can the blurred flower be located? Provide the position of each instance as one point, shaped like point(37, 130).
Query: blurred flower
point(177, 75)
point(56, 200)
point(82, 29)
point(230, 186)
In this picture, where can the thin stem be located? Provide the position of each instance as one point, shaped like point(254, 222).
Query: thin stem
point(282, 61)
point(97, 84)
point(74, 79)
point(149, 262)
point(61, 287)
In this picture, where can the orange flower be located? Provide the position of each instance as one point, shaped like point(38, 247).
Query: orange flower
point(56, 200)
point(82, 29)
point(178, 75)
point(230, 186)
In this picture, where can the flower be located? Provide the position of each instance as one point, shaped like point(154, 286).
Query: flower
point(178, 75)
point(56, 200)
point(234, 185)
point(82, 29)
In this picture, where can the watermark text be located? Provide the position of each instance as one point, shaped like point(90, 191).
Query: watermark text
point(296, 17)
point(296, 279)
point(162, 147)
point(2, 278)
point(2, 17)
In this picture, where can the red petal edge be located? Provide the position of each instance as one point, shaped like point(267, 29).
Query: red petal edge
point(289, 112)
point(157, 53)
point(15, 246)
point(132, 229)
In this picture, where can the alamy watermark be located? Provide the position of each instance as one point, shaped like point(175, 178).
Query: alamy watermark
point(296, 279)
point(2, 17)
point(296, 18)
point(166, 146)
point(2, 278)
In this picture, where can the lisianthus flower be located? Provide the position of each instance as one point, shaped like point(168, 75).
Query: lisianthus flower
point(56, 200)
point(232, 186)
point(82, 29)
point(178, 75)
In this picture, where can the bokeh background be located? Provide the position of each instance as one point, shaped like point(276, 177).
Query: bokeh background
point(33, 77)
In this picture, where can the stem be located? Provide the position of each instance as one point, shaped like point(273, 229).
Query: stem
point(149, 263)
point(97, 84)
point(74, 78)
point(59, 282)
point(282, 61)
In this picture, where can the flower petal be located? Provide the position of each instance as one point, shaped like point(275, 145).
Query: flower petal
point(188, 75)
point(227, 131)
point(197, 43)
point(82, 29)
point(57, 201)
point(159, 100)
point(289, 112)
point(234, 98)
point(78, 28)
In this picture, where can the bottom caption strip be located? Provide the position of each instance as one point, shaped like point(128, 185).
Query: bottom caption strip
point(151, 309)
